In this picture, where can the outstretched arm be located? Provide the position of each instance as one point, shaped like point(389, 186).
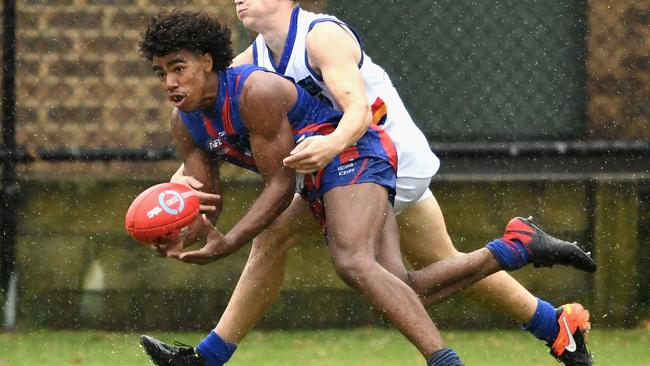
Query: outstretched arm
point(264, 104)
point(335, 54)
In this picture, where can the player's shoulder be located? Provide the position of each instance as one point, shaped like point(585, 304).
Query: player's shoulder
point(240, 75)
point(329, 34)
point(265, 90)
point(245, 57)
point(327, 27)
point(241, 69)
point(310, 18)
point(256, 80)
point(261, 84)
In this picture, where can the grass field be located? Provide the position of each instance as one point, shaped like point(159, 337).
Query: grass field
point(363, 347)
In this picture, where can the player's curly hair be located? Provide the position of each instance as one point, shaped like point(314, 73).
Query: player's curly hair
point(187, 30)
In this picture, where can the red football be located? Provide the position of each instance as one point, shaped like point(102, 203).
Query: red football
point(162, 212)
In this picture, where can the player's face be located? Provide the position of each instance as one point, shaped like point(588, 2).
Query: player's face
point(255, 14)
point(183, 75)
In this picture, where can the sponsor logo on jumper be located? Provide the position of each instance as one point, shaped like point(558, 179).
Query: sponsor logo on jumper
point(215, 144)
point(345, 169)
point(313, 89)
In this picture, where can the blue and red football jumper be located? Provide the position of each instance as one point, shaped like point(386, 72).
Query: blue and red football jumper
point(221, 132)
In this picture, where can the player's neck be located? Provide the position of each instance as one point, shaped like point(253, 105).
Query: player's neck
point(210, 92)
point(276, 31)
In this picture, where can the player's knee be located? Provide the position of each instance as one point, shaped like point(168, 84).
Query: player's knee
point(352, 268)
point(420, 257)
point(264, 259)
point(274, 238)
point(413, 284)
point(448, 251)
point(272, 244)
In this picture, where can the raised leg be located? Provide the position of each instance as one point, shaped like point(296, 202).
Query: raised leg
point(425, 240)
point(441, 279)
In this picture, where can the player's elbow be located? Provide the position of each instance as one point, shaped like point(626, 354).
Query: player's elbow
point(287, 196)
point(284, 192)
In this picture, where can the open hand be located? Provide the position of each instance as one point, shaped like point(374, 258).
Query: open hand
point(163, 248)
point(216, 247)
point(209, 201)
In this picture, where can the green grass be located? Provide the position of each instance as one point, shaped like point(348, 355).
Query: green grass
point(362, 347)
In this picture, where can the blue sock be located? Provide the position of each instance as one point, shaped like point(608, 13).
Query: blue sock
point(511, 255)
point(544, 324)
point(444, 357)
point(214, 350)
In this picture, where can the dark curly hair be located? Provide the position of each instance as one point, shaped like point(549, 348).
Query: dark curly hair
point(187, 30)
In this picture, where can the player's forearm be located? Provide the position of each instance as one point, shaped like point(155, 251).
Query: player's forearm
point(354, 124)
point(273, 200)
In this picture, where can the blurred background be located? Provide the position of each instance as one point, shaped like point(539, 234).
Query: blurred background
point(535, 108)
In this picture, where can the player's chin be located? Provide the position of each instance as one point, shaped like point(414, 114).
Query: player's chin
point(184, 107)
point(184, 103)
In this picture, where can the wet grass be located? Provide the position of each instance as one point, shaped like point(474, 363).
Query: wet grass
point(361, 347)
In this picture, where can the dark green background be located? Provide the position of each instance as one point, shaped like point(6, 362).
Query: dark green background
point(480, 70)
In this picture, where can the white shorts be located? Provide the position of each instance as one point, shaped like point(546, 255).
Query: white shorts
point(410, 191)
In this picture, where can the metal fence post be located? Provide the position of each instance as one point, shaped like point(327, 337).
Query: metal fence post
point(9, 191)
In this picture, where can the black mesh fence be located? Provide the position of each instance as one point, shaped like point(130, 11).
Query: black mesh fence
point(481, 70)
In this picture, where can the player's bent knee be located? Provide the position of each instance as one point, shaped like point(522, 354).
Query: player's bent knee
point(275, 238)
point(261, 256)
point(352, 268)
point(414, 286)
point(274, 243)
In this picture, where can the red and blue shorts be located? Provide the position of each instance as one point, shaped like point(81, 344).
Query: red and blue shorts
point(368, 169)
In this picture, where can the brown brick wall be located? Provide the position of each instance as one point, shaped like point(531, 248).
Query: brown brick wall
point(81, 82)
point(618, 69)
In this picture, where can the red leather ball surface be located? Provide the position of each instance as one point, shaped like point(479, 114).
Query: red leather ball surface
point(162, 213)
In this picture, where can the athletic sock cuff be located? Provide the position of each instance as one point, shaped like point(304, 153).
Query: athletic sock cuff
point(215, 350)
point(511, 255)
point(544, 324)
point(444, 357)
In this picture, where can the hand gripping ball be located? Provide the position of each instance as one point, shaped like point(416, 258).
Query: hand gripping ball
point(162, 213)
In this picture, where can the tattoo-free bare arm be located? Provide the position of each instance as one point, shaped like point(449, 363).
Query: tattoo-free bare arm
point(265, 101)
point(335, 54)
point(199, 165)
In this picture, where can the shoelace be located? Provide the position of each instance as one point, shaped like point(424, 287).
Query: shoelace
point(183, 348)
point(182, 345)
point(185, 355)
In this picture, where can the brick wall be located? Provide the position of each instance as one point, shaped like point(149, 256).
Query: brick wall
point(81, 81)
point(80, 78)
point(618, 69)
